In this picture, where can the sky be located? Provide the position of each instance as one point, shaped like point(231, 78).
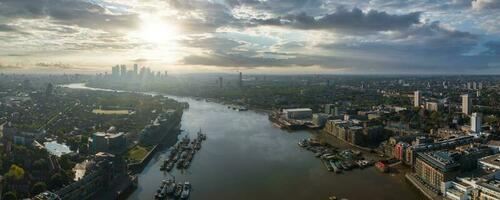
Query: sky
point(252, 36)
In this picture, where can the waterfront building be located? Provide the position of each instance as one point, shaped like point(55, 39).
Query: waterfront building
point(434, 168)
point(475, 122)
point(411, 152)
point(417, 98)
point(431, 106)
point(298, 113)
point(400, 150)
point(356, 132)
point(108, 142)
point(319, 119)
point(466, 104)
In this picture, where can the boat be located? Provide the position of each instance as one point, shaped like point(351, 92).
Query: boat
point(335, 166)
point(170, 187)
point(169, 167)
point(327, 165)
point(180, 164)
point(186, 189)
point(303, 143)
point(178, 190)
point(382, 166)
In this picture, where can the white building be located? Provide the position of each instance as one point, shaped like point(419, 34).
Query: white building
point(416, 98)
point(475, 122)
point(466, 104)
point(298, 113)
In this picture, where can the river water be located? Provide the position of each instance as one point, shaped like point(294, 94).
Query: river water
point(246, 157)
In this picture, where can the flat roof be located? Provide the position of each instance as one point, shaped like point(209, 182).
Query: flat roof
point(492, 160)
point(297, 109)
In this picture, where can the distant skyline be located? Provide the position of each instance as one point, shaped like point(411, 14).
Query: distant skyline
point(252, 36)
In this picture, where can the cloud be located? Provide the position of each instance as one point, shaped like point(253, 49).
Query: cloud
point(493, 48)
point(74, 12)
point(9, 67)
point(485, 4)
point(346, 20)
point(54, 65)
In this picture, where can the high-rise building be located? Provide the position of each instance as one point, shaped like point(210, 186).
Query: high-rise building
point(475, 122)
point(136, 69)
point(241, 80)
point(466, 104)
point(416, 98)
point(123, 71)
point(115, 71)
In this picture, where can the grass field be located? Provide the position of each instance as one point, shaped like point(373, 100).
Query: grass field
point(137, 153)
point(111, 112)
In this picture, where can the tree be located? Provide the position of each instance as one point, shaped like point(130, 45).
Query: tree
point(15, 172)
point(56, 181)
point(10, 196)
point(38, 188)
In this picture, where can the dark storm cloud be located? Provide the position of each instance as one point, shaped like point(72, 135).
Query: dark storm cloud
point(493, 48)
point(343, 19)
point(68, 12)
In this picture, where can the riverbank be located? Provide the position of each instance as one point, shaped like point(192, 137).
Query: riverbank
point(245, 157)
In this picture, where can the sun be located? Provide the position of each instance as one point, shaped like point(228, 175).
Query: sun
point(156, 30)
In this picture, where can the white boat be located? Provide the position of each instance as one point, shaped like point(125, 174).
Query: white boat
point(186, 189)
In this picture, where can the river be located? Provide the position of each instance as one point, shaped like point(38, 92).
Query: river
point(246, 157)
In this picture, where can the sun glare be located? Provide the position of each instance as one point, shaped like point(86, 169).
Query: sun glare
point(155, 30)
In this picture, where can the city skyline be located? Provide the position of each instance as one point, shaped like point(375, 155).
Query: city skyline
point(252, 36)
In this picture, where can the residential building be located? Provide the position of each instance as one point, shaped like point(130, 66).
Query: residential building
point(475, 122)
point(434, 168)
point(432, 106)
point(466, 104)
point(417, 97)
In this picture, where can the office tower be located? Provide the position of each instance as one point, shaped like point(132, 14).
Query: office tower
point(115, 71)
point(475, 122)
point(480, 86)
point(474, 85)
point(469, 85)
point(466, 104)
point(241, 80)
point(136, 69)
point(123, 70)
point(416, 98)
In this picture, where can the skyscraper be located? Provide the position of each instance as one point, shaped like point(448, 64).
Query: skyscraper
point(416, 98)
point(115, 71)
point(475, 122)
point(466, 104)
point(123, 71)
point(241, 80)
point(136, 69)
